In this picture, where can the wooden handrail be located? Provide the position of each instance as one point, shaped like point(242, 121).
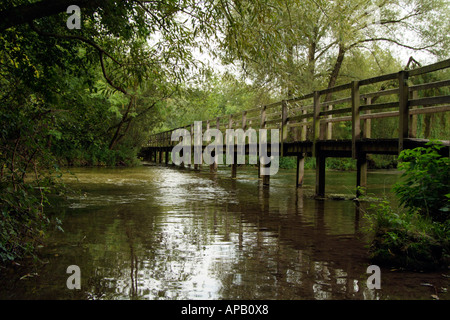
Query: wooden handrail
point(290, 114)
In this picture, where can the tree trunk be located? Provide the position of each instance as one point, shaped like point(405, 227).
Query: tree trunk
point(124, 119)
point(312, 63)
point(336, 69)
point(290, 66)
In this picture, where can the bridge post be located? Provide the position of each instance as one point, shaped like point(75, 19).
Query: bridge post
point(192, 147)
point(167, 157)
point(213, 166)
point(329, 125)
point(266, 178)
point(320, 175)
point(367, 128)
point(263, 126)
point(300, 169)
point(316, 122)
point(301, 157)
point(413, 118)
point(320, 159)
point(356, 123)
point(284, 123)
point(234, 165)
point(361, 174)
point(403, 111)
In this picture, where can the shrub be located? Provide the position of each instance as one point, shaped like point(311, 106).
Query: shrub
point(407, 239)
point(426, 181)
point(415, 235)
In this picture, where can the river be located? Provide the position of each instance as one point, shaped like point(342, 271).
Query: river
point(156, 232)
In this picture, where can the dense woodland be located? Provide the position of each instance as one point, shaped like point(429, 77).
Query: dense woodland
point(92, 96)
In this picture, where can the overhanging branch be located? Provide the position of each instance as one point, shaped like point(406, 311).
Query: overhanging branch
point(28, 12)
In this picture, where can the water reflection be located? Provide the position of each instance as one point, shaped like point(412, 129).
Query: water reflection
point(164, 233)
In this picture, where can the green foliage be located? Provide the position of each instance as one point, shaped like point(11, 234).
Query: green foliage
point(298, 47)
point(426, 181)
point(27, 174)
point(82, 97)
point(288, 162)
point(210, 96)
point(407, 239)
point(341, 164)
point(417, 234)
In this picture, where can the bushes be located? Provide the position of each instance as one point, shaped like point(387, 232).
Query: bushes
point(101, 156)
point(416, 234)
point(22, 223)
point(407, 239)
point(426, 186)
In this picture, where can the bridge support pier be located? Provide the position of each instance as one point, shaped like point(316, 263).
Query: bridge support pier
point(213, 167)
point(266, 178)
point(300, 169)
point(320, 175)
point(167, 157)
point(234, 166)
point(160, 156)
point(361, 174)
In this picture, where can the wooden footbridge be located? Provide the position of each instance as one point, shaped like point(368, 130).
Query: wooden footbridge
point(308, 127)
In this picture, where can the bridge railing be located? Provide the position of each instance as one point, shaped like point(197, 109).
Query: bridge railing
point(311, 117)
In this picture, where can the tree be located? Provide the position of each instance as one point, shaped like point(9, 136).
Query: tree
point(301, 45)
point(69, 90)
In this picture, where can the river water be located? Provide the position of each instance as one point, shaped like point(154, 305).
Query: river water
point(156, 232)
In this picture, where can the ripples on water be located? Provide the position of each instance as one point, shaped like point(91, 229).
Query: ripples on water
point(165, 233)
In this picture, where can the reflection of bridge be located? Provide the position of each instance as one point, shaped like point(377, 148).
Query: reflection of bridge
point(306, 123)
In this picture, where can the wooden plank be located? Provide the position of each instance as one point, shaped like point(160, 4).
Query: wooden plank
point(431, 85)
point(301, 117)
point(334, 102)
point(430, 68)
point(356, 125)
point(429, 101)
point(305, 97)
point(390, 114)
point(379, 93)
point(273, 121)
point(430, 110)
point(273, 114)
point(304, 124)
point(379, 106)
point(382, 78)
point(336, 111)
